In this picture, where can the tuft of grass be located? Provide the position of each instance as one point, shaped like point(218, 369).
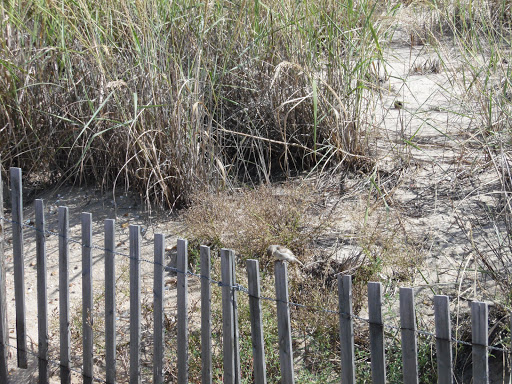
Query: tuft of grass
point(251, 220)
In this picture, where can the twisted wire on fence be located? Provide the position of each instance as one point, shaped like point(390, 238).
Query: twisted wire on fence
point(237, 287)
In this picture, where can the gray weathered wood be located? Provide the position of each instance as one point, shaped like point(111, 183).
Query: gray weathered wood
point(409, 342)
point(182, 301)
point(4, 330)
point(110, 301)
point(228, 330)
point(258, 344)
point(377, 348)
point(87, 298)
point(284, 330)
point(158, 310)
point(65, 335)
point(443, 339)
point(236, 338)
point(19, 269)
point(135, 293)
point(42, 295)
point(479, 332)
point(206, 317)
point(346, 329)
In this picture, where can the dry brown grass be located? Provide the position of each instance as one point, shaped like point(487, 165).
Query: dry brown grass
point(171, 99)
point(250, 220)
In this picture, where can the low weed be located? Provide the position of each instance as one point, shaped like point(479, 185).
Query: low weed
point(250, 220)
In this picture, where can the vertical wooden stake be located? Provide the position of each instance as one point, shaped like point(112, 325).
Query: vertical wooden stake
point(228, 329)
point(258, 343)
point(443, 340)
point(42, 298)
point(158, 310)
point(236, 345)
point(480, 341)
point(346, 329)
point(182, 301)
point(19, 268)
point(110, 301)
point(135, 293)
point(206, 317)
point(377, 348)
point(4, 330)
point(87, 298)
point(409, 343)
point(284, 330)
point(65, 335)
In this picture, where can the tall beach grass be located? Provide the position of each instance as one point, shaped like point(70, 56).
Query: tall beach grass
point(173, 97)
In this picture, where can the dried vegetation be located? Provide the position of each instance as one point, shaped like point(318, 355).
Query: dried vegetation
point(174, 98)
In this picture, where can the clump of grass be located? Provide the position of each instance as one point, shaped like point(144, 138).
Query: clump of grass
point(385, 241)
point(428, 66)
point(248, 221)
point(317, 331)
point(172, 98)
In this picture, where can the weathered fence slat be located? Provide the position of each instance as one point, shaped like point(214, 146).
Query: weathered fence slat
point(377, 349)
point(284, 330)
point(42, 298)
point(236, 345)
point(135, 294)
point(443, 339)
point(182, 302)
point(258, 344)
point(479, 331)
point(4, 331)
point(409, 343)
point(228, 330)
point(348, 367)
point(206, 317)
point(87, 299)
point(19, 269)
point(65, 335)
point(110, 301)
point(158, 310)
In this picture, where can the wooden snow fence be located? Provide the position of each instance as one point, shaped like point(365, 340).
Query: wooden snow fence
point(230, 291)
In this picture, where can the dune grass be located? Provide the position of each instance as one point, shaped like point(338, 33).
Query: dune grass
point(169, 98)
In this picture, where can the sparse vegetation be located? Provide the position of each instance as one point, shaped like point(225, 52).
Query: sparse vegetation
point(251, 220)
